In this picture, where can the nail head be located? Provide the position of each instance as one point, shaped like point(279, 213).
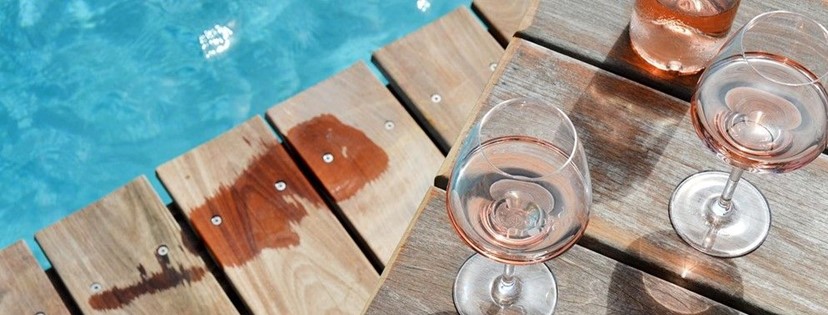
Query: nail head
point(280, 185)
point(162, 250)
point(327, 158)
point(389, 125)
point(436, 98)
point(216, 220)
point(95, 287)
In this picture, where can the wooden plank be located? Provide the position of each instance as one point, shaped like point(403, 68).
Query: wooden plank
point(125, 254)
point(640, 145)
point(599, 35)
point(281, 247)
point(382, 161)
point(24, 287)
point(441, 69)
point(422, 275)
point(504, 17)
point(480, 108)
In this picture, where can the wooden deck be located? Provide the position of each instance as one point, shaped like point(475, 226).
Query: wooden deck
point(440, 71)
point(328, 207)
point(267, 227)
point(24, 287)
point(379, 154)
point(599, 35)
point(588, 283)
point(506, 17)
point(640, 145)
point(126, 253)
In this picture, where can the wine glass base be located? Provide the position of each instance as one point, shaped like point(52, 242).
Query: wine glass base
point(473, 288)
point(737, 233)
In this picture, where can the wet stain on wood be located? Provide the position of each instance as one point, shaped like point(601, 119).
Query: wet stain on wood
point(254, 215)
point(169, 277)
point(357, 160)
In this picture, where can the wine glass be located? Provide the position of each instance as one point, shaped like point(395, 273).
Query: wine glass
point(519, 195)
point(760, 106)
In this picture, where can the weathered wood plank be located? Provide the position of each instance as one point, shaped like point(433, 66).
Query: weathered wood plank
point(598, 34)
point(640, 145)
point(280, 246)
point(480, 108)
point(382, 161)
point(423, 271)
point(125, 254)
point(24, 287)
point(441, 69)
point(504, 17)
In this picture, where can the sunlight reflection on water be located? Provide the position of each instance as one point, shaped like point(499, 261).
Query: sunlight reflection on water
point(216, 40)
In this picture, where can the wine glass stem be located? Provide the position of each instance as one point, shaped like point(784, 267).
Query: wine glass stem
point(506, 288)
point(726, 199)
point(508, 272)
point(722, 209)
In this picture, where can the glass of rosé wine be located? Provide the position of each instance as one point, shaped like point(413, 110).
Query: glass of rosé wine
point(519, 195)
point(761, 107)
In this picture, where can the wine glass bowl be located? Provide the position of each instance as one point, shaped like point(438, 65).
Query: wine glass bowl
point(761, 107)
point(523, 218)
point(790, 36)
point(519, 194)
point(757, 124)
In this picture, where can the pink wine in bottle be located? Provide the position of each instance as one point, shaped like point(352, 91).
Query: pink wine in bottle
point(680, 36)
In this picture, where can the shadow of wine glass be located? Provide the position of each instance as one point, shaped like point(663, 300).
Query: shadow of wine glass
point(624, 129)
point(635, 292)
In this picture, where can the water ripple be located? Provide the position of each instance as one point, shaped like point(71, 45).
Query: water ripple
point(95, 93)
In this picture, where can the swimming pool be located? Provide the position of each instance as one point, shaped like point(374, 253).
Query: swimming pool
point(93, 94)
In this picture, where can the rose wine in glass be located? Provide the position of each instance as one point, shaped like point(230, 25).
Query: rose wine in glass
point(680, 36)
point(520, 220)
point(761, 107)
point(519, 195)
point(753, 125)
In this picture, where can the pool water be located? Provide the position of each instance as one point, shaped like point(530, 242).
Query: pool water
point(96, 93)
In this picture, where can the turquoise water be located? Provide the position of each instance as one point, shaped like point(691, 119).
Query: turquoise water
point(96, 93)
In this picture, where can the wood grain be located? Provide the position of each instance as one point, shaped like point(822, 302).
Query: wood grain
point(450, 57)
point(504, 17)
point(281, 247)
point(599, 35)
point(114, 244)
point(640, 145)
point(422, 274)
point(382, 162)
point(24, 287)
